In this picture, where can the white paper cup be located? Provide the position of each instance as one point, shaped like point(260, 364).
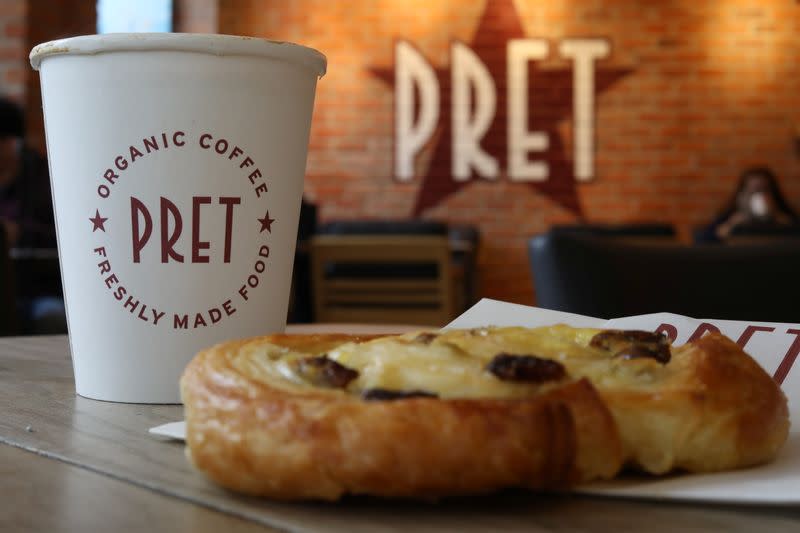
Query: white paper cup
point(177, 167)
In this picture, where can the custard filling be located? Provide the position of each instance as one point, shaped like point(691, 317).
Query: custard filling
point(478, 363)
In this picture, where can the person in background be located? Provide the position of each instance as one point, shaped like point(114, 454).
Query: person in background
point(26, 210)
point(757, 204)
point(26, 215)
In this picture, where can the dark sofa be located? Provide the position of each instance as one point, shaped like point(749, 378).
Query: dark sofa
point(608, 277)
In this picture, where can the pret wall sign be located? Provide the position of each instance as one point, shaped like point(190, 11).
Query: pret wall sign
point(495, 111)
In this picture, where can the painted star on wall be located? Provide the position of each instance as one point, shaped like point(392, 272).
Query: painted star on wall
point(551, 102)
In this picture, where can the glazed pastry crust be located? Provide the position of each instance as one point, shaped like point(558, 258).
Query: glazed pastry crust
point(717, 409)
point(290, 443)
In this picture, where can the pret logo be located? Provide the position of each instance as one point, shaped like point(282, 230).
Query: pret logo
point(170, 215)
point(153, 234)
point(495, 112)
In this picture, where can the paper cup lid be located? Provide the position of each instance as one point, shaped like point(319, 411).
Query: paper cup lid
point(220, 45)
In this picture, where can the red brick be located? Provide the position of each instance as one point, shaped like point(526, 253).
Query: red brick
point(14, 30)
point(12, 9)
point(15, 75)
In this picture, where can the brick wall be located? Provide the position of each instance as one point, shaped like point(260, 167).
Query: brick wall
point(12, 48)
point(710, 88)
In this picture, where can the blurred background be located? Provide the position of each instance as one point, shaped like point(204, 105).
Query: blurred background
point(688, 133)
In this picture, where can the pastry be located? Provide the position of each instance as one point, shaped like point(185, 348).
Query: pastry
point(433, 414)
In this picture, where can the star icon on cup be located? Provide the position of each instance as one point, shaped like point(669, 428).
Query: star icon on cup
point(98, 221)
point(266, 223)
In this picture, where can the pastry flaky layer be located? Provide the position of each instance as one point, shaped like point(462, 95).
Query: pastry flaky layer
point(433, 414)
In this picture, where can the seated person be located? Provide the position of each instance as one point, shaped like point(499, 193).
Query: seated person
point(757, 204)
point(26, 214)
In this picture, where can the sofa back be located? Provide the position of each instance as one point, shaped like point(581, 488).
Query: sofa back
point(611, 277)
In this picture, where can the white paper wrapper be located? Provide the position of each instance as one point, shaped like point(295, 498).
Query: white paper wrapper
point(170, 430)
point(773, 345)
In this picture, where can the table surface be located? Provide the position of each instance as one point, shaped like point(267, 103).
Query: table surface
point(68, 463)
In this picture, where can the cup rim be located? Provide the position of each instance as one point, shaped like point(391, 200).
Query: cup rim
point(214, 44)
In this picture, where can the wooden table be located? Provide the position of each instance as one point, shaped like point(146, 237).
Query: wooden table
point(72, 464)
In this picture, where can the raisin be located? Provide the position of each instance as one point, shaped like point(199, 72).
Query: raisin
point(325, 372)
point(633, 344)
point(386, 394)
point(425, 337)
point(525, 368)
